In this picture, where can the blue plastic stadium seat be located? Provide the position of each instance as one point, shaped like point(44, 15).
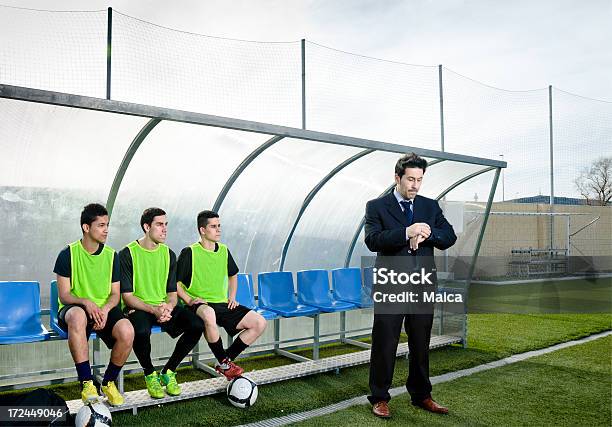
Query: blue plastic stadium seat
point(313, 289)
point(276, 293)
point(368, 281)
point(346, 286)
point(20, 314)
point(244, 293)
point(54, 308)
point(246, 297)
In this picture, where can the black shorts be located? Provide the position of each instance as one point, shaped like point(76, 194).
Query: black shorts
point(106, 333)
point(226, 318)
point(181, 321)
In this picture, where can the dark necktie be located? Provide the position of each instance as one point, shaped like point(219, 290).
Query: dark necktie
point(408, 210)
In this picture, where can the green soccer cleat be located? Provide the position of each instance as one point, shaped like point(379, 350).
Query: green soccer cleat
point(112, 394)
point(89, 393)
point(169, 380)
point(153, 386)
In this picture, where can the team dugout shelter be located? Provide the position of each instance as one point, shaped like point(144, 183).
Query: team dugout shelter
point(289, 199)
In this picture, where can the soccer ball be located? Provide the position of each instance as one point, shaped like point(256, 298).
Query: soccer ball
point(242, 392)
point(94, 414)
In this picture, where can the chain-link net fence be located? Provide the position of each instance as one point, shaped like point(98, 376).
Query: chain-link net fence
point(547, 136)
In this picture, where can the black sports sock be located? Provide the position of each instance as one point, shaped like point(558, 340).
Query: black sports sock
point(84, 371)
point(111, 374)
point(183, 346)
point(237, 347)
point(218, 350)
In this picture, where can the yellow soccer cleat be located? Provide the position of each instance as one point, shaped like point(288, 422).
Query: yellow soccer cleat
point(89, 393)
point(112, 394)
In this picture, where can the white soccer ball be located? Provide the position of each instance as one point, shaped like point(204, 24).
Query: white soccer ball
point(94, 414)
point(242, 392)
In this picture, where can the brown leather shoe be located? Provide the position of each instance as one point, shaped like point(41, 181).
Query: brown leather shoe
point(381, 409)
point(432, 406)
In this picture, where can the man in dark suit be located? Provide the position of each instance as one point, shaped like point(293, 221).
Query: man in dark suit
point(402, 224)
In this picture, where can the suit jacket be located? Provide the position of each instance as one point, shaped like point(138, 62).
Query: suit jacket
point(385, 229)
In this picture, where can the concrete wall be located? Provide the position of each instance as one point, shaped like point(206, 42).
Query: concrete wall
point(507, 232)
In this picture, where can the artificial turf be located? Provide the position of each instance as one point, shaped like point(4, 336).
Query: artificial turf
point(552, 297)
point(490, 337)
point(568, 387)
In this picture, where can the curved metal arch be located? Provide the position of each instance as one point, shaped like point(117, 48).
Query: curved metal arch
point(127, 158)
point(464, 179)
point(241, 167)
point(349, 253)
point(311, 196)
point(483, 227)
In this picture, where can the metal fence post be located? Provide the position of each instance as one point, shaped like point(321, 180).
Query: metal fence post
point(441, 107)
point(552, 173)
point(479, 240)
point(109, 38)
point(441, 90)
point(303, 83)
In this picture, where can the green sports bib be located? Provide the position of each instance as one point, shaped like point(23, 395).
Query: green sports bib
point(208, 273)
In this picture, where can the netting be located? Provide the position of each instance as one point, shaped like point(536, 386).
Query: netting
point(369, 98)
point(59, 51)
point(158, 66)
point(483, 121)
point(582, 134)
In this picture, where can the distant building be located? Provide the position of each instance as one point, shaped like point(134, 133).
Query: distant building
point(546, 200)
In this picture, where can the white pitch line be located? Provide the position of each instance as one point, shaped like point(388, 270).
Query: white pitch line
point(362, 400)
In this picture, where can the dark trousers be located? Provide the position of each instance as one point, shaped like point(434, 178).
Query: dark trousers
point(385, 337)
point(183, 322)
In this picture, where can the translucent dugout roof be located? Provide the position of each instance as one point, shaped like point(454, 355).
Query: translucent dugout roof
point(288, 198)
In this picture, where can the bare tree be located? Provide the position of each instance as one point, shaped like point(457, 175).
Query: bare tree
point(595, 182)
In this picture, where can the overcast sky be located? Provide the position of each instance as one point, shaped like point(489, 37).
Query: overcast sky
point(515, 45)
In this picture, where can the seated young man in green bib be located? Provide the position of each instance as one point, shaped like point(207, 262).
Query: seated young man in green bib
point(88, 293)
point(148, 288)
point(207, 276)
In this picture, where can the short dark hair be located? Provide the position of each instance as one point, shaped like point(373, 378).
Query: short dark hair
point(204, 216)
point(91, 212)
point(148, 215)
point(410, 160)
